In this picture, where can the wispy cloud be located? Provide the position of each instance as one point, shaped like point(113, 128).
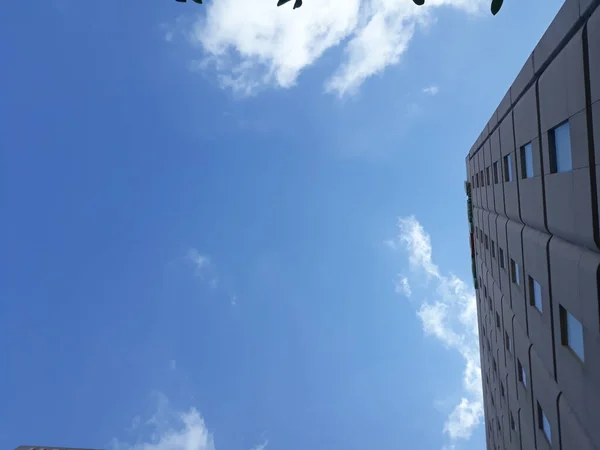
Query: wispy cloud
point(431, 90)
point(252, 45)
point(173, 364)
point(168, 429)
point(451, 318)
point(262, 446)
point(200, 261)
point(403, 286)
point(203, 267)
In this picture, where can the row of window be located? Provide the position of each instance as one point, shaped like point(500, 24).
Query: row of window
point(560, 159)
point(571, 328)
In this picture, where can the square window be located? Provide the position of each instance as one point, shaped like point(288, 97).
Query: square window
point(493, 245)
point(572, 333)
point(535, 294)
point(544, 423)
point(496, 173)
point(527, 161)
point(515, 272)
point(508, 342)
point(522, 374)
point(560, 149)
point(501, 257)
point(487, 175)
point(508, 168)
point(497, 320)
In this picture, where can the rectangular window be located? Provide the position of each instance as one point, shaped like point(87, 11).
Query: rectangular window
point(485, 291)
point(508, 342)
point(493, 245)
point(473, 180)
point(494, 365)
point(502, 389)
point(560, 149)
point(544, 423)
point(572, 332)
point(487, 175)
point(508, 168)
point(514, 272)
point(512, 421)
point(496, 176)
point(522, 374)
point(498, 320)
point(527, 161)
point(487, 245)
point(501, 257)
point(535, 294)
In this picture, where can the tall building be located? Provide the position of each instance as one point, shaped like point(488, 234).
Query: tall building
point(533, 188)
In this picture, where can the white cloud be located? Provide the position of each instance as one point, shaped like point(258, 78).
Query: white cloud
point(403, 286)
point(253, 44)
point(168, 429)
point(452, 319)
point(431, 90)
point(173, 364)
point(204, 268)
point(262, 446)
point(200, 261)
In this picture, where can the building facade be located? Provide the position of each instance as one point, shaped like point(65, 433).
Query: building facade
point(533, 187)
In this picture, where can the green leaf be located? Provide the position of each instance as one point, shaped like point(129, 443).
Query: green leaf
point(496, 5)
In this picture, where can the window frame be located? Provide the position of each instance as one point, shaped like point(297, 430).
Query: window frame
point(544, 423)
point(507, 163)
point(521, 373)
point(564, 316)
point(524, 151)
point(533, 298)
point(554, 160)
point(515, 275)
point(495, 171)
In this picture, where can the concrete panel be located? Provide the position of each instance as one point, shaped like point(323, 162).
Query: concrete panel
point(511, 188)
point(526, 118)
point(559, 28)
point(562, 85)
point(495, 266)
point(489, 175)
point(515, 253)
point(522, 346)
point(596, 130)
point(572, 433)
point(546, 394)
point(503, 249)
point(482, 179)
point(504, 105)
point(496, 157)
point(539, 325)
point(593, 34)
point(524, 77)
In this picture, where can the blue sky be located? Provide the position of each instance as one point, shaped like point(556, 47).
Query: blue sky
point(241, 227)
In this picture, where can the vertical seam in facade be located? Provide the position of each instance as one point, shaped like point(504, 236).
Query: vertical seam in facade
point(590, 135)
